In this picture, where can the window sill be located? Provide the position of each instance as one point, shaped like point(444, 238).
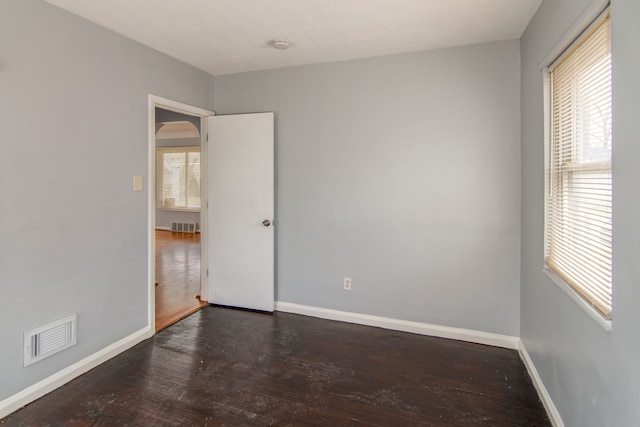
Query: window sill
point(179, 210)
point(607, 325)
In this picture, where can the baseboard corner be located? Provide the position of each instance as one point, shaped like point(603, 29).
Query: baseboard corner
point(543, 393)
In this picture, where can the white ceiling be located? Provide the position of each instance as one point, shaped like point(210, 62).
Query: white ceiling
point(231, 36)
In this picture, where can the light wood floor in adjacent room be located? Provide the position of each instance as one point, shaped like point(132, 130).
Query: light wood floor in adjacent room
point(177, 276)
point(224, 367)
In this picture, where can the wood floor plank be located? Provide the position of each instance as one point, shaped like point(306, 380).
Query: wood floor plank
point(177, 275)
point(230, 367)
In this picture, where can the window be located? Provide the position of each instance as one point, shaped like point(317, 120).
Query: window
point(578, 226)
point(178, 178)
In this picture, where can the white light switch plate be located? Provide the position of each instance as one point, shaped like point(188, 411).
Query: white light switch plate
point(137, 183)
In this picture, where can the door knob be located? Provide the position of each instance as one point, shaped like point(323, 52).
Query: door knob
point(266, 223)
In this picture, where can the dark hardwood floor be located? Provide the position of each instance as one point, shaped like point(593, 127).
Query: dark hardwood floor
point(221, 366)
point(177, 276)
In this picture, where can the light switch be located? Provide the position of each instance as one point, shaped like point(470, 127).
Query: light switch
point(137, 183)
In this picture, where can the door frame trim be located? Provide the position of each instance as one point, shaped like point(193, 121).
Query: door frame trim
point(178, 107)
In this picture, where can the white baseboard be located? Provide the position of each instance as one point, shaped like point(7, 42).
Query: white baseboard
point(39, 389)
point(544, 395)
point(28, 395)
point(468, 335)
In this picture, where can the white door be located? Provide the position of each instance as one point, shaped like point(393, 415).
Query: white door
point(241, 208)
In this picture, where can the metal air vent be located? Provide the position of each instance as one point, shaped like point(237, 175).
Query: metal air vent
point(183, 227)
point(49, 339)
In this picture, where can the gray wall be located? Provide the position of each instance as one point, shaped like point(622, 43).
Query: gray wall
point(592, 375)
point(73, 103)
point(402, 172)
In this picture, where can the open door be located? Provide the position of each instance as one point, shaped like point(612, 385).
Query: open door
point(241, 210)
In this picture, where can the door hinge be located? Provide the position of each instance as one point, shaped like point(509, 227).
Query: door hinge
point(207, 272)
point(207, 137)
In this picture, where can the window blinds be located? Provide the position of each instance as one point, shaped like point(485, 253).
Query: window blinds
point(579, 187)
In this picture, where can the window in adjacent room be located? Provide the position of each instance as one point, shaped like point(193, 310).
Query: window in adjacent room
point(178, 178)
point(578, 219)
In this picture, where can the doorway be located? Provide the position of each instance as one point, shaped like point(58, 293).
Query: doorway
point(178, 217)
point(177, 181)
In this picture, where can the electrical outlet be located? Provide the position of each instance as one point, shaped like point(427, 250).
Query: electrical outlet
point(346, 284)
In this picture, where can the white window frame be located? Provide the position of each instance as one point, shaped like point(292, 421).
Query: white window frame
point(576, 36)
point(159, 177)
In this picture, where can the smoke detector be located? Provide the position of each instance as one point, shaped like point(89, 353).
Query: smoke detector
point(281, 44)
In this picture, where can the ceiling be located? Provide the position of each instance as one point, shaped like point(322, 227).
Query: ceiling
point(176, 130)
point(231, 36)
